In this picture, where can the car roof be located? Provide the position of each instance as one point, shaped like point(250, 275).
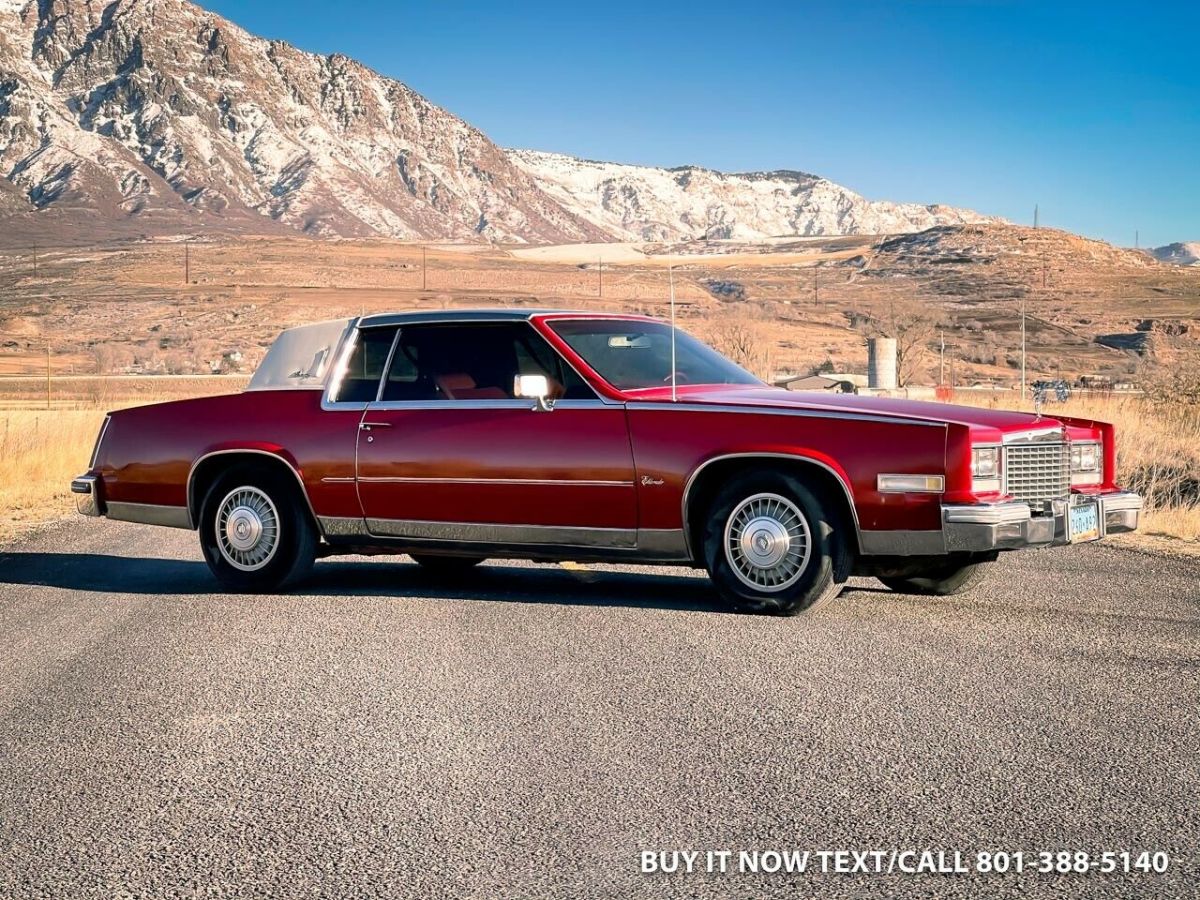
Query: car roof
point(479, 315)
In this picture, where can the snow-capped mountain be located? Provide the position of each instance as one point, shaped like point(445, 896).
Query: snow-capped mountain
point(1181, 253)
point(158, 108)
point(645, 203)
point(159, 113)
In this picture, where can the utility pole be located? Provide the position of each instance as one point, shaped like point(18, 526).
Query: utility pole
point(47, 376)
point(816, 288)
point(942, 359)
point(187, 262)
point(1137, 245)
point(423, 280)
point(1022, 349)
point(1035, 215)
point(600, 273)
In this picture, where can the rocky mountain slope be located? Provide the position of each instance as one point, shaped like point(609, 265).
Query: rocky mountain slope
point(163, 115)
point(1181, 253)
point(644, 203)
point(158, 109)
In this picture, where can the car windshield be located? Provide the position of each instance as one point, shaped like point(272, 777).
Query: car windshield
point(632, 355)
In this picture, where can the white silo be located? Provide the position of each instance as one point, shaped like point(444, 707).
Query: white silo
point(881, 363)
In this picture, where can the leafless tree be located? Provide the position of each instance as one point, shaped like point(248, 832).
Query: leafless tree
point(744, 339)
point(914, 325)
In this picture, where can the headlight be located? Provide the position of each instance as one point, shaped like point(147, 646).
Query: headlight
point(985, 469)
point(985, 462)
point(1087, 462)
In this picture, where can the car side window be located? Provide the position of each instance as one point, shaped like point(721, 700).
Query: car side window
point(468, 361)
point(360, 383)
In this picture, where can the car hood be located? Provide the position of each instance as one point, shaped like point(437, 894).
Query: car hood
point(1005, 421)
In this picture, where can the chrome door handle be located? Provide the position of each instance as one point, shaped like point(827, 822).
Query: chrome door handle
point(367, 426)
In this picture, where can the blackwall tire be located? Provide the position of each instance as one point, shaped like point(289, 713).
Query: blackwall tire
point(255, 531)
point(446, 565)
point(945, 581)
point(773, 545)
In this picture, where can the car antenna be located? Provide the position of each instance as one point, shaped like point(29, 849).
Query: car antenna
point(671, 277)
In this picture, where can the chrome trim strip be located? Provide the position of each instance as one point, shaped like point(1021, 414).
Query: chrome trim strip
point(790, 456)
point(1042, 434)
point(558, 482)
point(903, 543)
point(1116, 501)
point(329, 479)
point(632, 405)
point(99, 442)
point(333, 380)
point(399, 405)
point(149, 514)
point(341, 526)
point(988, 514)
point(940, 489)
point(476, 533)
point(192, 473)
point(663, 543)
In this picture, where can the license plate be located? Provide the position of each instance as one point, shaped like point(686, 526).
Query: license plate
point(1084, 522)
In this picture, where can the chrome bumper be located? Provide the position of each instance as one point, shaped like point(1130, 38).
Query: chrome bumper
point(1013, 526)
point(87, 495)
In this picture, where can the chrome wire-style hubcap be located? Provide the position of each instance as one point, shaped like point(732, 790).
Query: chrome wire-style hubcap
point(247, 528)
point(767, 542)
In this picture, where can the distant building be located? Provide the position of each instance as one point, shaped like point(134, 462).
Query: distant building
point(835, 384)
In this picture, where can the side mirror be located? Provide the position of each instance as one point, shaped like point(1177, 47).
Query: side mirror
point(534, 387)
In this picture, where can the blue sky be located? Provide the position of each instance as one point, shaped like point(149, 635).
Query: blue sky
point(1091, 111)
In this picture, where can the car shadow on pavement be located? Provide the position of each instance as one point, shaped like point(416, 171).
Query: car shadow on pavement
point(494, 582)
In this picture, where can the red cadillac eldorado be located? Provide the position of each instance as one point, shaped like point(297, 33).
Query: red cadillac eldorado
point(460, 435)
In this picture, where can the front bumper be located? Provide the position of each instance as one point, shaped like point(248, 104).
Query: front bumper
point(86, 489)
point(1014, 526)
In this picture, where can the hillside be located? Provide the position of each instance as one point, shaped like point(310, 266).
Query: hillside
point(1091, 308)
point(1181, 253)
point(641, 203)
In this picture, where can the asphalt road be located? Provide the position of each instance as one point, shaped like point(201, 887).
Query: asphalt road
point(527, 731)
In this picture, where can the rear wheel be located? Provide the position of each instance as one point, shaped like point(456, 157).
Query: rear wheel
point(772, 545)
point(255, 533)
point(941, 581)
point(447, 565)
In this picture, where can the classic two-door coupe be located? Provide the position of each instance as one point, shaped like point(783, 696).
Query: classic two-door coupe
point(460, 435)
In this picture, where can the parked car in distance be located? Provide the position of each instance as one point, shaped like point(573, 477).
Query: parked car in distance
point(457, 436)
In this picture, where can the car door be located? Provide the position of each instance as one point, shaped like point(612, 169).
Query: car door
point(446, 452)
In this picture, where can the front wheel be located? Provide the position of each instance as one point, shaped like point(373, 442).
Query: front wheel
point(773, 545)
point(254, 531)
point(940, 581)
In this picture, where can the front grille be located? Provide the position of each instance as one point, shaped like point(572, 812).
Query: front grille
point(1037, 471)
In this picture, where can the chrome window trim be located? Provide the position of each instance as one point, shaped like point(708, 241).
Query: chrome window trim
point(795, 457)
point(192, 474)
point(398, 405)
point(99, 441)
point(337, 372)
